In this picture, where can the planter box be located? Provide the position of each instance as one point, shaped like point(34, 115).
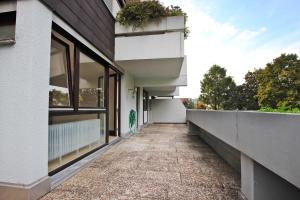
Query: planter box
point(167, 24)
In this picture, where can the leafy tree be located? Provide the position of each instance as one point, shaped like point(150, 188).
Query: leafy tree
point(246, 98)
point(216, 88)
point(279, 83)
point(232, 98)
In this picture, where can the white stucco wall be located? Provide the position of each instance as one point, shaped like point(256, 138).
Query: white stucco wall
point(168, 45)
point(128, 101)
point(115, 8)
point(167, 111)
point(24, 80)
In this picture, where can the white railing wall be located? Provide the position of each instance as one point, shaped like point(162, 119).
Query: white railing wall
point(269, 139)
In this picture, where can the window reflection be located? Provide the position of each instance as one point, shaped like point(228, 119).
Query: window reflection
point(91, 83)
point(58, 89)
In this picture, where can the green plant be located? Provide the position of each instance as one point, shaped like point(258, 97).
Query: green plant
point(280, 110)
point(138, 14)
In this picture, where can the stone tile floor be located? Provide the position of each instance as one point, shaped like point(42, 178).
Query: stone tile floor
point(162, 162)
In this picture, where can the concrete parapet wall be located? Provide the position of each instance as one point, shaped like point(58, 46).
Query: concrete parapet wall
point(227, 152)
point(270, 139)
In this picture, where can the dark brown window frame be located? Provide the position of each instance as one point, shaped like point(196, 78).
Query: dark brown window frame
point(61, 111)
point(79, 47)
point(69, 73)
point(119, 104)
point(145, 104)
point(8, 18)
point(74, 95)
point(117, 99)
point(138, 106)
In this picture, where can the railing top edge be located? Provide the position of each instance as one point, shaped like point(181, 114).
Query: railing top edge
point(239, 111)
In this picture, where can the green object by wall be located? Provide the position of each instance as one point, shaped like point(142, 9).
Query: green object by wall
point(132, 119)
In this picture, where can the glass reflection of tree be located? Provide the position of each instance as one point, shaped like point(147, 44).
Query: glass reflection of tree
point(91, 97)
point(58, 98)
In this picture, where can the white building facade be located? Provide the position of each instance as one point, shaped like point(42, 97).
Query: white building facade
point(71, 85)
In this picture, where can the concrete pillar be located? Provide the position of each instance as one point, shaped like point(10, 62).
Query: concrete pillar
point(128, 102)
point(247, 177)
point(24, 82)
point(259, 183)
point(141, 111)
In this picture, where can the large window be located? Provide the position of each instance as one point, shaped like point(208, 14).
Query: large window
point(78, 114)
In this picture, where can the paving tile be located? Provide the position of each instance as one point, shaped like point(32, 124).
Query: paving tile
point(162, 162)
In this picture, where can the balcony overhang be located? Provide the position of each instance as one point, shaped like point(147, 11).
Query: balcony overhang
point(162, 91)
point(151, 56)
point(153, 52)
point(181, 80)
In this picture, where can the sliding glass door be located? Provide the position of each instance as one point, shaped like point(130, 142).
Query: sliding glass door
point(73, 136)
point(78, 103)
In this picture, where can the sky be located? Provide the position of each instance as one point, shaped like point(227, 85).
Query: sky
point(239, 35)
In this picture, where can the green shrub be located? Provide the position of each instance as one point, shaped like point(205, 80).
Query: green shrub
point(280, 110)
point(138, 14)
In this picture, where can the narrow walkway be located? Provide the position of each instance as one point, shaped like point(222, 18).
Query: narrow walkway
point(162, 162)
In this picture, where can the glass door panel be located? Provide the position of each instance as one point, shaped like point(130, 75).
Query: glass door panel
point(72, 136)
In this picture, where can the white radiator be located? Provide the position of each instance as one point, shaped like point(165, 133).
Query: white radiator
point(68, 137)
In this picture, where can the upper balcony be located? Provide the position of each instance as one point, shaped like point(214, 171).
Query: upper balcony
point(167, 24)
point(156, 51)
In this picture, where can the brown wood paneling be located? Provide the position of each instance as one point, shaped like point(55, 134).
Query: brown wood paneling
point(91, 19)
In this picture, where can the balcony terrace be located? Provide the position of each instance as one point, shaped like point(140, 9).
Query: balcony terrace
point(162, 162)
